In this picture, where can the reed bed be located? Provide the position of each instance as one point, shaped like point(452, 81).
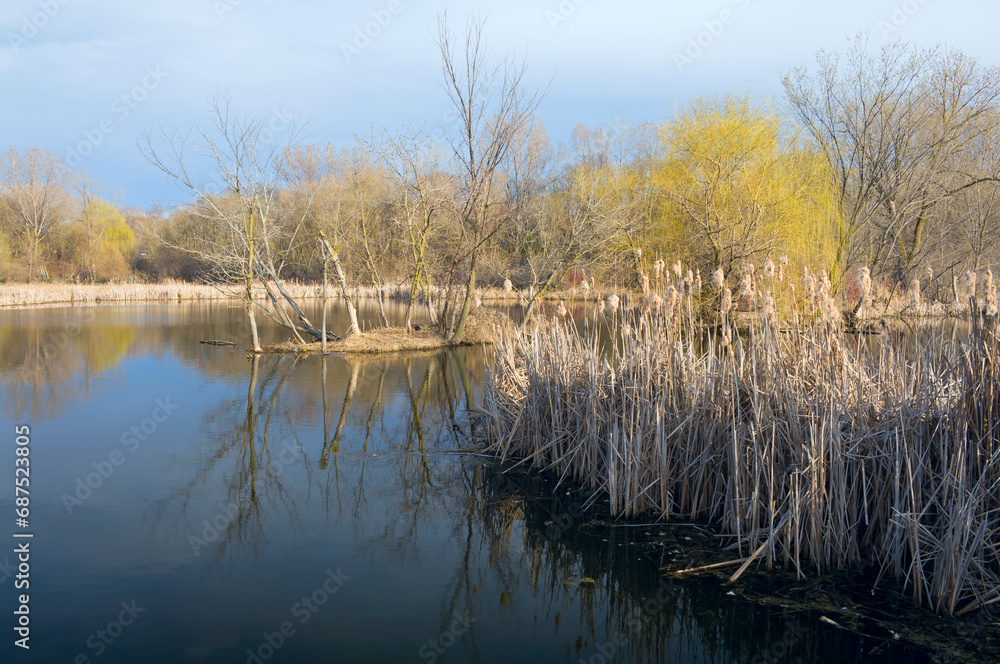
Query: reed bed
point(814, 449)
point(47, 293)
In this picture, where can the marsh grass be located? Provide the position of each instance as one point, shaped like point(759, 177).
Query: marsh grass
point(50, 293)
point(812, 448)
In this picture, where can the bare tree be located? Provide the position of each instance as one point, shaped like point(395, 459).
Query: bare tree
point(492, 107)
point(422, 192)
point(894, 127)
point(34, 184)
point(245, 241)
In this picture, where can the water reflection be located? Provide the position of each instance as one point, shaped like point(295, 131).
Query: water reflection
point(556, 569)
point(278, 468)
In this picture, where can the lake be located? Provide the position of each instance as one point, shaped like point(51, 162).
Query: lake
point(191, 504)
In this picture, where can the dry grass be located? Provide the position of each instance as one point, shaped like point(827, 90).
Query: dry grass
point(32, 294)
point(484, 326)
point(815, 449)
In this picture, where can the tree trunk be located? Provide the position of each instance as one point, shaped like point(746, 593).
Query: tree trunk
point(254, 337)
point(470, 293)
point(323, 323)
point(342, 279)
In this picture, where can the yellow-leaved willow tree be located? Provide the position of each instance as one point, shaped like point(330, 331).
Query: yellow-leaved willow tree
point(738, 187)
point(99, 242)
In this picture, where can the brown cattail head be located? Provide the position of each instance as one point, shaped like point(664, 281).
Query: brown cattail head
point(600, 307)
point(865, 284)
point(719, 278)
point(770, 314)
point(613, 301)
point(561, 310)
point(831, 311)
point(784, 260)
point(672, 297)
point(930, 274)
point(915, 288)
point(678, 270)
point(508, 287)
point(781, 273)
point(727, 300)
point(658, 269)
point(645, 285)
point(657, 301)
point(769, 268)
point(584, 287)
point(746, 285)
point(697, 281)
point(810, 288)
point(970, 284)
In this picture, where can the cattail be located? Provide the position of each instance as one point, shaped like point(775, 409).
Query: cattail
point(638, 254)
point(825, 280)
point(916, 294)
point(781, 273)
point(686, 287)
point(991, 293)
point(769, 268)
point(784, 260)
point(613, 301)
point(561, 311)
point(930, 274)
point(697, 281)
point(970, 284)
point(769, 312)
point(645, 285)
point(746, 288)
point(811, 288)
point(508, 287)
point(830, 310)
point(727, 301)
point(865, 285)
point(672, 297)
point(678, 270)
point(658, 269)
point(749, 268)
point(727, 336)
point(805, 280)
point(584, 288)
point(719, 278)
point(657, 301)
point(600, 306)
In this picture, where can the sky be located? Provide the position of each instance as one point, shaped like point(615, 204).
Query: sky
point(87, 78)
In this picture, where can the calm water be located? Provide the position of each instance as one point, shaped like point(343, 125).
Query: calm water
point(192, 505)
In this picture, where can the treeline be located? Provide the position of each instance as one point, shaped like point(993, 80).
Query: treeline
point(884, 158)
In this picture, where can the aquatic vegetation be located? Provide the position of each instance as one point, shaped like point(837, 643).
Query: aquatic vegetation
point(815, 449)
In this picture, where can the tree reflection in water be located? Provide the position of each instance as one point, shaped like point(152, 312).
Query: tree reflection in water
point(510, 535)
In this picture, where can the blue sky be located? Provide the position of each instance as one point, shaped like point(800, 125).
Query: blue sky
point(85, 77)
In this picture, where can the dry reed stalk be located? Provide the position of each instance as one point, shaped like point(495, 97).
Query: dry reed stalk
point(816, 450)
